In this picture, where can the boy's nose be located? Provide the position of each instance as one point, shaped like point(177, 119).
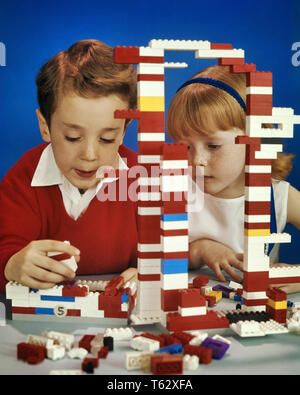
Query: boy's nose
point(89, 152)
point(200, 160)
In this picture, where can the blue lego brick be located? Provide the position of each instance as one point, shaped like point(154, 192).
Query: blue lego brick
point(43, 311)
point(172, 266)
point(33, 290)
point(174, 217)
point(218, 348)
point(53, 298)
point(125, 298)
point(171, 349)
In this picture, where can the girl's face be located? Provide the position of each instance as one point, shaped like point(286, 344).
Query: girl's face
point(223, 162)
point(85, 136)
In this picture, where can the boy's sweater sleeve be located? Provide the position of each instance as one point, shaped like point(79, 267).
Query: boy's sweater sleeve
point(19, 216)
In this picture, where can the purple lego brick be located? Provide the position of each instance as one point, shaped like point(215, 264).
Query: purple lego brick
point(225, 291)
point(218, 348)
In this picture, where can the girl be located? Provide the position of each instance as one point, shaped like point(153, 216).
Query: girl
point(208, 116)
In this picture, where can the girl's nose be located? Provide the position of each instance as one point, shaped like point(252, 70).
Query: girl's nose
point(89, 152)
point(200, 159)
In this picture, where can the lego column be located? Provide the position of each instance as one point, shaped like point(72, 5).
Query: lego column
point(174, 225)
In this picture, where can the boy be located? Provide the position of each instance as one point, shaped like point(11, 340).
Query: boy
point(50, 195)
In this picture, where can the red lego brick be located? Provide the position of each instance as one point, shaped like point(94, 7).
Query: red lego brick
point(126, 54)
point(89, 361)
point(148, 277)
point(169, 339)
point(182, 337)
point(284, 280)
point(254, 302)
point(149, 147)
point(85, 342)
point(31, 353)
point(150, 77)
point(23, 310)
point(169, 299)
point(243, 68)
point(277, 315)
point(174, 232)
point(259, 78)
point(75, 290)
point(255, 142)
point(220, 46)
point(112, 287)
point(256, 225)
point(211, 300)
point(257, 179)
point(175, 255)
point(174, 151)
point(255, 281)
point(166, 364)
point(230, 61)
point(103, 352)
point(200, 281)
point(258, 208)
point(149, 229)
point(73, 313)
point(276, 294)
point(203, 353)
point(190, 298)
point(211, 320)
point(259, 104)
point(149, 335)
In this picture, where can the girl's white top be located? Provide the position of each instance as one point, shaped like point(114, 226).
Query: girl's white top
point(223, 219)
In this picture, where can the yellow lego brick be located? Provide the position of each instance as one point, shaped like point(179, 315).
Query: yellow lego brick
point(148, 103)
point(257, 232)
point(277, 305)
point(216, 294)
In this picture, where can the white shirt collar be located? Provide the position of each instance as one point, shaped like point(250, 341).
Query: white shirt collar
point(47, 173)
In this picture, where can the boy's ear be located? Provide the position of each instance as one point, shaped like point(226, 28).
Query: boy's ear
point(44, 130)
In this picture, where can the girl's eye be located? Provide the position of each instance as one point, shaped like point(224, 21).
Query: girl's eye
point(72, 139)
point(214, 146)
point(107, 141)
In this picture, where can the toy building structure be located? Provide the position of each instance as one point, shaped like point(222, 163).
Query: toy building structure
point(163, 293)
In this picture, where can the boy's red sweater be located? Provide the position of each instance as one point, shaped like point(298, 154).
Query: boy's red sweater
point(105, 234)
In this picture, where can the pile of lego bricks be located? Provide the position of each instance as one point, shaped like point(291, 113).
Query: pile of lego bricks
point(110, 299)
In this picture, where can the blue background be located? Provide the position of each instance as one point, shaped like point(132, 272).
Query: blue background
point(34, 31)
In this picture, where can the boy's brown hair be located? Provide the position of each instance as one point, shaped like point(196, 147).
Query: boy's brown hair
point(87, 69)
point(201, 108)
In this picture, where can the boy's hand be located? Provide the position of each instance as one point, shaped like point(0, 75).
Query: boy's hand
point(217, 256)
point(288, 288)
point(130, 274)
point(32, 267)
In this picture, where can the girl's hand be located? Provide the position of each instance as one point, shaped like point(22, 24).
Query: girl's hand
point(217, 256)
point(288, 288)
point(33, 268)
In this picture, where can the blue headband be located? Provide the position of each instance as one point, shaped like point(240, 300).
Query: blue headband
point(217, 84)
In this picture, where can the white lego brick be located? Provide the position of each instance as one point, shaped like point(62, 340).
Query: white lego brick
point(149, 196)
point(267, 154)
point(151, 88)
point(192, 311)
point(149, 181)
point(148, 266)
point(141, 343)
point(254, 219)
point(174, 243)
point(219, 53)
point(77, 353)
point(149, 158)
point(199, 337)
point(254, 295)
point(64, 339)
point(146, 318)
point(65, 372)
point(149, 247)
point(56, 352)
point(234, 285)
point(279, 238)
point(189, 45)
point(149, 210)
point(174, 281)
point(172, 225)
point(265, 147)
point(175, 65)
point(150, 137)
point(286, 271)
point(259, 90)
point(190, 362)
point(247, 329)
point(119, 334)
point(135, 360)
point(258, 169)
point(55, 291)
point(124, 307)
point(174, 164)
point(257, 194)
point(93, 286)
point(15, 290)
point(151, 68)
point(272, 327)
point(40, 341)
point(174, 183)
point(148, 51)
point(148, 298)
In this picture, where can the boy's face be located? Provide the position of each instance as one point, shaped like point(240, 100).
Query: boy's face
point(85, 136)
point(222, 159)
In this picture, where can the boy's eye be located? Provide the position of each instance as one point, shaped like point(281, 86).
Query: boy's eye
point(72, 139)
point(214, 146)
point(107, 141)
